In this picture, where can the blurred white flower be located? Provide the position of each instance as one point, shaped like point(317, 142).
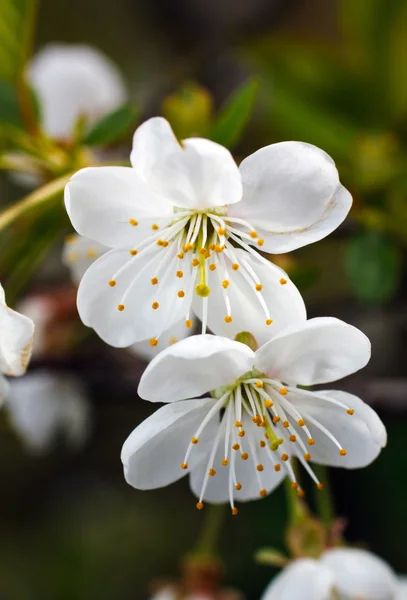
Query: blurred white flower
point(74, 80)
point(237, 444)
point(44, 404)
point(173, 222)
point(342, 574)
point(78, 254)
point(16, 341)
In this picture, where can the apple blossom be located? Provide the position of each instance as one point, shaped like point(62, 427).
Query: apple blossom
point(185, 225)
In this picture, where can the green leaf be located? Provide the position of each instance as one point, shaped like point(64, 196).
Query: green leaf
point(271, 557)
point(373, 267)
point(9, 109)
point(16, 32)
point(234, 115)
point(113, 127)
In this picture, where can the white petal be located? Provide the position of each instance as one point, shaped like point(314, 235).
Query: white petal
point(103, 202)
point(291, 195)
point(284, 302)
point(401, 589)
point(174, 334)
point(79, 253)
point(73, 81)
point(98, 301)
point(217, 490)
point(360, 574)
point(362, 434)
point(154, 451)
point(321, 350)
point(16, 339)
point(196, 174)
point(194, 366)
point(304, 579)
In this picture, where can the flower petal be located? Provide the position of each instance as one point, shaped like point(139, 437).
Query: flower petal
point(196, 174)
point(98, 302)
point(360, 574)
point(284, 302)
point(16, 341)
point(171, 336)
point(114, 207)
point(291, 195)
point(79, 253)
point(362, 434)
point(304, 579)
point(321, 350)
point(154, 451)
point(401, 589)
point(194, 366)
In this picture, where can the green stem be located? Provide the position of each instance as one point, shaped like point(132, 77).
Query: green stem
point(297, 510)
point(323, 498)
point(207, 546)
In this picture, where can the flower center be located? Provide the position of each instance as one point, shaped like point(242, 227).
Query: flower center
point(259, 422)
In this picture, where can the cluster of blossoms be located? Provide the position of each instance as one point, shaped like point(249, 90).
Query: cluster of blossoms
point(181, 233)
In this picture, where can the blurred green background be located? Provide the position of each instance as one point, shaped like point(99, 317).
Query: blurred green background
point(332, 73)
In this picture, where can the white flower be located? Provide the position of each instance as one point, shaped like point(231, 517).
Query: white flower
point(73, 81)
point(237, 444)
point(340, 574)
point(173, 222)
point(78, 254)
point(16, 341)
point(42, 404)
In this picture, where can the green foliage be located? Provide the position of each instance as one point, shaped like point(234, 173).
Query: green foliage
point(9, 111)
point(235, 114)
point(113, 127)
point(373, 266)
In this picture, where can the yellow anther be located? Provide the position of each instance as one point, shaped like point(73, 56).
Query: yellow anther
point(342, 452)
point(234, 511)
point(235, 266)
point(133, 252)
point(259, 287)
point(120, 307)
point(268, 403)
point(179, 274)
point(181, 294)
point(260, 468)
point(195, 262)
point(269, 321)
point(283, 391)
point(212, 247)
point(219, 248)
point(244, 456)
point(259, 383)
point(180, 255)
point(294, 485)
point(228, 319)
point(241, 433)
point(284, 457)
point(283, 281)
point(292, 438)
point(91, 253)
point(173, 340)
point(133, 222)
point(256, 419)
point(202, 251)
point(202, 290)
point(286, 424)
point(263, 493)
point(260, 242)
point(276, 419)
point(262, 444)
point(212, 472)
point(154, 281)
point(154, 227)
point(153, 342)
point(301, 493)
point(238, 424)
point(212, 267)
point(225, 462)
point(155, 305)
point(112, 283)
point(225, 283)
point(311, 442)
point(194, 440)
point(236, 446)
point(188, 323)
point(70, 239)
point(184, 466)
point(350, 411)
point(320, 486)
point(253, 234)
point(221, 231)
point(301, 422)
point(307, 456)
point(277, 468)
point(199, 505)
point(238, 486)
